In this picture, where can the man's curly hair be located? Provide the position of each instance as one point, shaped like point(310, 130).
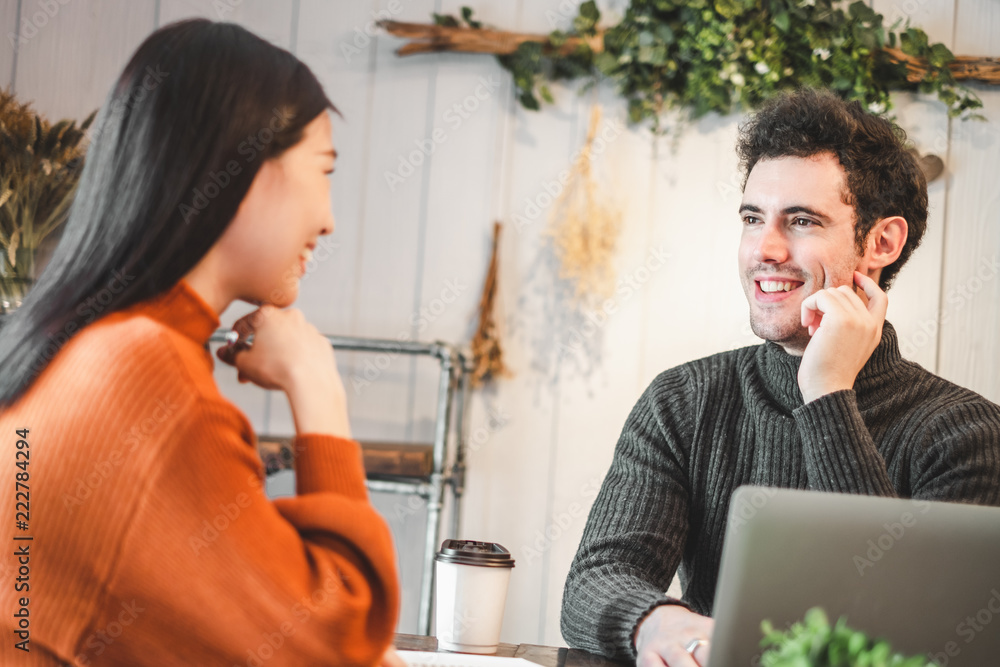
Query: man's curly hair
point(883, 178)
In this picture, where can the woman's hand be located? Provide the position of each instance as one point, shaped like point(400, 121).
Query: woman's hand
point(289, 354)
point(285, 347)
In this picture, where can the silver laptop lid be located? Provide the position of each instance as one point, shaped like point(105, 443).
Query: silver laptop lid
point(923, 575)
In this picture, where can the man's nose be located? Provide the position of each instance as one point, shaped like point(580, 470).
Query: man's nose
point(772, 246)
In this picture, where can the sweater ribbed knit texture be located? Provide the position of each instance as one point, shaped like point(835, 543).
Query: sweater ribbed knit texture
point(154, 543)
point(702, 429)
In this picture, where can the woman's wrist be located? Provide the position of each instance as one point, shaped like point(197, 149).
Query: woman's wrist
point(319, 404)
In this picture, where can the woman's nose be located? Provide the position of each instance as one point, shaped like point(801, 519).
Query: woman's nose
point(328, 225)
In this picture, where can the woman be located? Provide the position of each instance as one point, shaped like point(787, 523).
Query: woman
point(152, 541)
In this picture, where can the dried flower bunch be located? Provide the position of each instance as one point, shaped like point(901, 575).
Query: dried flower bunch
point(487, 353)
point(40, 165)
point(585, 227)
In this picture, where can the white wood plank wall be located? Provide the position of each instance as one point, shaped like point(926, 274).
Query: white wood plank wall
point(408, 259)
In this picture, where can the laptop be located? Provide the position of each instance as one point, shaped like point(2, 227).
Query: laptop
point(923, 575)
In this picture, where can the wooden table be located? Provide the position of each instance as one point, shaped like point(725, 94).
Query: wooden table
point(548, 656)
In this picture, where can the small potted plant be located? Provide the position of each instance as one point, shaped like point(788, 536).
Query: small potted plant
point(815, 643)
point(40, 165)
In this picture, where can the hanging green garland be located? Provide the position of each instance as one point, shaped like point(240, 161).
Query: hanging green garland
point(706, 55)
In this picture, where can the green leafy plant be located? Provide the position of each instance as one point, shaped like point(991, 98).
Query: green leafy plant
point(40, 164)
point(715, 55)
point(815, 643)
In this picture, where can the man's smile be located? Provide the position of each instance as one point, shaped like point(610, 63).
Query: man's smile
point(772, 289)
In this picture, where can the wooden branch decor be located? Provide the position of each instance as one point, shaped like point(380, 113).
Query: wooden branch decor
point(430, 38)
point(968, 68)
point(716, 55)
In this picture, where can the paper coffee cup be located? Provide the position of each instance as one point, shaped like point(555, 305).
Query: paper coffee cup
point(471, 593)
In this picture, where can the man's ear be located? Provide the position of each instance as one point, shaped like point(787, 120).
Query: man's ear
point(885, 242)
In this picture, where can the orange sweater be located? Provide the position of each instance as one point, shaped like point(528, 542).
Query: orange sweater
point(153, 542)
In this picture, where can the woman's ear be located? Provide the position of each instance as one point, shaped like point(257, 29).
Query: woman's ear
point(885, 242)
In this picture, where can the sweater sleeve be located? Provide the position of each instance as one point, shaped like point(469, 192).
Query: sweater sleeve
point(840, 454)
point(229, 577)
point(636, 531)
point(955, 449)
point(958, 456)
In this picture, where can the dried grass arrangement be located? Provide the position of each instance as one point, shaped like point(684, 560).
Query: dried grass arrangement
point(585, 226)
point(487, 353)
point(40, 165)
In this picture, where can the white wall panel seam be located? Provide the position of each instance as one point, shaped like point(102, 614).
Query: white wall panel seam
point(365, 169)
point(17, 49)
point(293, 36)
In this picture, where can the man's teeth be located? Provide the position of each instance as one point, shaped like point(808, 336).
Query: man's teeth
point(307, 254)
point(774, 286)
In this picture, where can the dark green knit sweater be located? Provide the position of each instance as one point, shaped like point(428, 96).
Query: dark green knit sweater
point(702, 429)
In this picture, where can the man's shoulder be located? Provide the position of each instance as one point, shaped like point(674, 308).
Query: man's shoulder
point(709, 375)
point(720, 365)
point(939, 396)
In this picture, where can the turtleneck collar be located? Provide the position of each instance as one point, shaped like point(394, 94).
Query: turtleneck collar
point(779, 370)
point(183, 309)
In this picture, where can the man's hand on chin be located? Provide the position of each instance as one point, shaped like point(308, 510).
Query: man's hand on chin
point(845, 331)
point(663, 634)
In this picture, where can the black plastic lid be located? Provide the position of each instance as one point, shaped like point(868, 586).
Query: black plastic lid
point(470, 552)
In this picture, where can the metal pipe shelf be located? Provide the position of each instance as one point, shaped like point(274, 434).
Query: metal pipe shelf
point(448, 469)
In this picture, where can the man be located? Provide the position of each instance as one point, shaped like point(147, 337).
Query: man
point(832, 207)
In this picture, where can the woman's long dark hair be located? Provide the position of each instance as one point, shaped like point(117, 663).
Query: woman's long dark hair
point(197, 110)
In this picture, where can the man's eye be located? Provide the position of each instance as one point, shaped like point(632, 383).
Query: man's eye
point(750, 220)
point(803, 222)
